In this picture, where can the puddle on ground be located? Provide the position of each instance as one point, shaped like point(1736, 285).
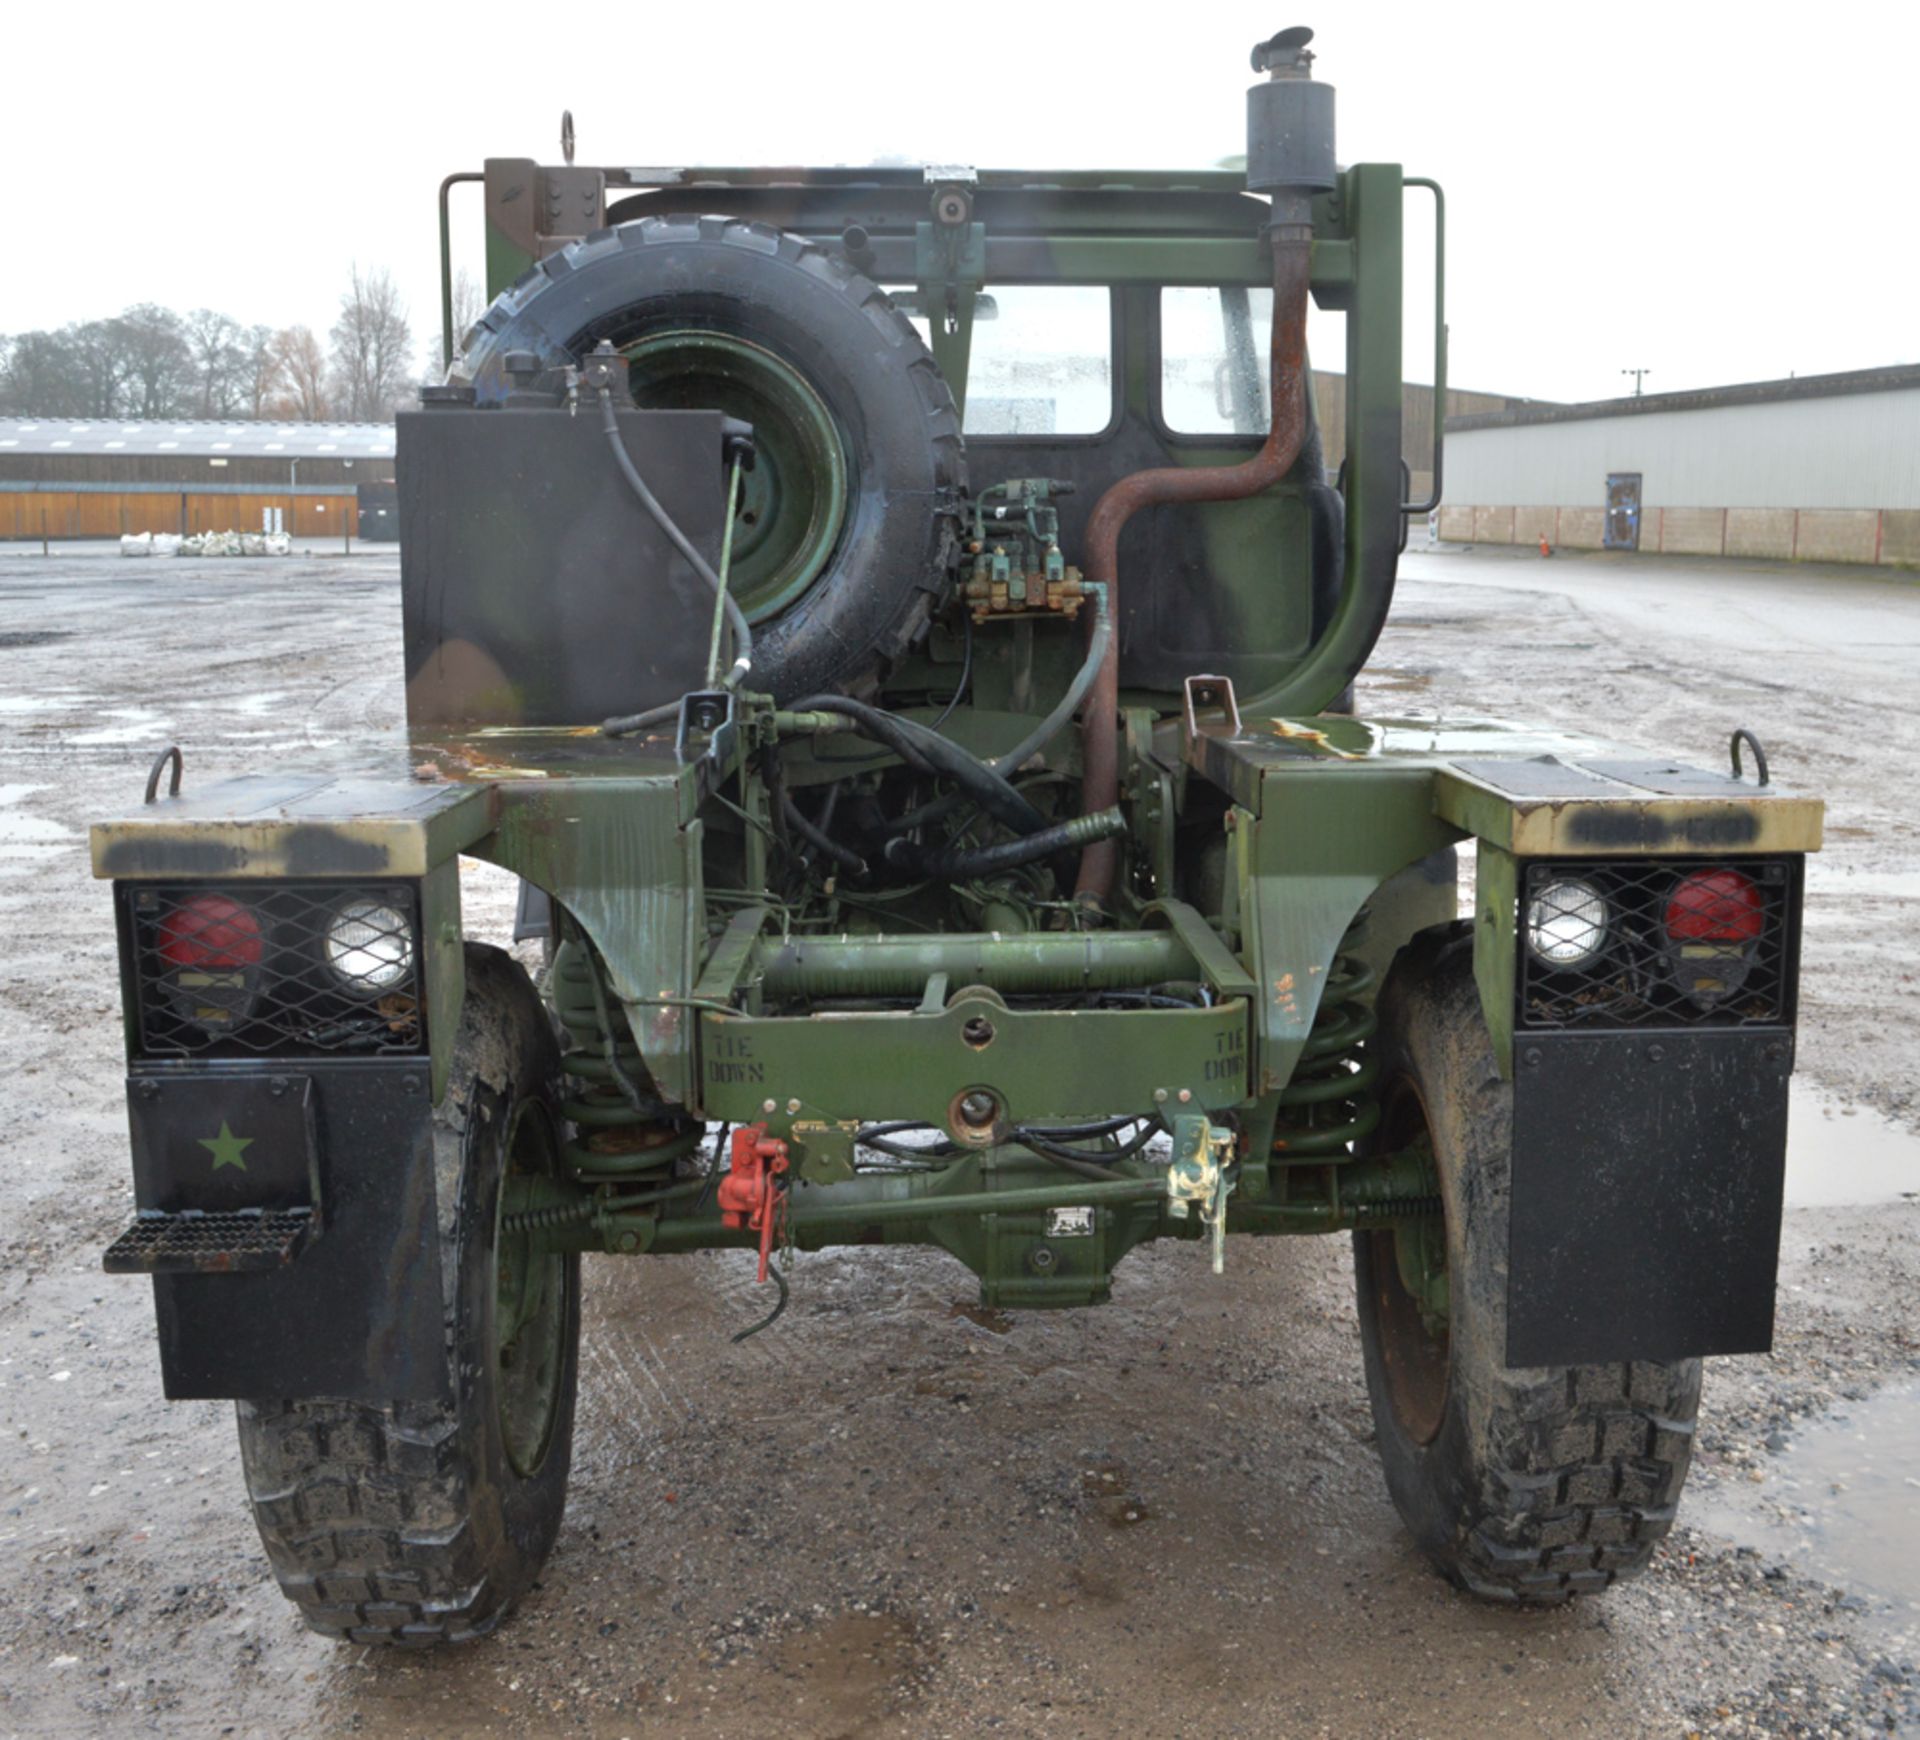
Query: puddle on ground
point(132, 725)
point(1838, 1154)
point(27, 840)
point(1840, 1503)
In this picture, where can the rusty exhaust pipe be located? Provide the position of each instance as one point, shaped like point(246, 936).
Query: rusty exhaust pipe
point(1289, 156)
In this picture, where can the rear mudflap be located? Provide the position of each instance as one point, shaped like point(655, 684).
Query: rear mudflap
point(1648, 1178)
point(290, 1226)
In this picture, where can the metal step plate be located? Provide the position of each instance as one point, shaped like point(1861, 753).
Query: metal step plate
point(237, 1242)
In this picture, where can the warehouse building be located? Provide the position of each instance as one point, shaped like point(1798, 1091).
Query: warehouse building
point(1820, 468)
point(107, 477)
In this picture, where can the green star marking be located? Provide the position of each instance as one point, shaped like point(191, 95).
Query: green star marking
point(226, 1147)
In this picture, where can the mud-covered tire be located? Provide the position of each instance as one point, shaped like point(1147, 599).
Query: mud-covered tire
point(803, 304)
point(1522, 1485)
point(408, 1523)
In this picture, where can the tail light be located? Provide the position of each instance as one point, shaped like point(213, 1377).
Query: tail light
point(211, 931)
point(1715, 906)
point(210, 947)
point(1713, 919)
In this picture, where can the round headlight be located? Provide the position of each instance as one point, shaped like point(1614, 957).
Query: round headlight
point(369, 946)
point(1566, 923)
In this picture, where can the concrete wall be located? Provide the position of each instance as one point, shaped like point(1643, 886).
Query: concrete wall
point(1760, 532)
point(1890, 539)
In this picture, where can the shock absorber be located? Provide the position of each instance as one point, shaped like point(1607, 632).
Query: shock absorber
point(621, 1131)
point(1329, 1103)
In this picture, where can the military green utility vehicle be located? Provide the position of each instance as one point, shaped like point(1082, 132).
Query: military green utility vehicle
point(896, 623)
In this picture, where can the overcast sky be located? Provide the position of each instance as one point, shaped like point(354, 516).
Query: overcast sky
point(1714, 192)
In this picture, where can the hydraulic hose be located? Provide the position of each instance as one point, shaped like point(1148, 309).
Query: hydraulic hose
point(1049, 728)
point(1292, 267)
point(742, 634)
point(960, 866)
point(789, 812)
point(929, 752)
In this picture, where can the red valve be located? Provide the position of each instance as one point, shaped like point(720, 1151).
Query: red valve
point(751, 1194)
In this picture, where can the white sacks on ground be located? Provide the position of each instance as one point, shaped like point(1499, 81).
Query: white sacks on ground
point(136, 543)
point(237, 544)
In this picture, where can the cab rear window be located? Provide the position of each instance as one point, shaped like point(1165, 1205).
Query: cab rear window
point(1042, 359)
point(1214, 343)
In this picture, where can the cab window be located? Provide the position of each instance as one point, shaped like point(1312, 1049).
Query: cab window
point(1041, 362)
point(1214, 344)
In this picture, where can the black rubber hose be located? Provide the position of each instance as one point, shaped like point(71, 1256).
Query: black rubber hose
point(1048, 1142)
point(962, 866)
point(929, 752)
point(742, 634)
point(630, 723)
point(819, 838)
point(788, 812)
point(1010, 763)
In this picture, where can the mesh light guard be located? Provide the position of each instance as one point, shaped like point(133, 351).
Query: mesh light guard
point(291, 1004)
point(1641, 977)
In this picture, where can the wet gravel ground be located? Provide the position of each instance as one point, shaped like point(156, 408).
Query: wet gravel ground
point(897, 1513)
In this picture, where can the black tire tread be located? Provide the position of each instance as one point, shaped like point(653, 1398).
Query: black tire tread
point(1574, 1473)
point(362, 1510)
point(367, 1510)
point(1581, 1480)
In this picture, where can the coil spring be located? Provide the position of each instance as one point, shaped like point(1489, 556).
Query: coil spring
point(620, 1131)
point(1393, 1208)
point(1329, 1103)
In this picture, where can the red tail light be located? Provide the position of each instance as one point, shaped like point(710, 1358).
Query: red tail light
point(1716, 906)
point(211, 933)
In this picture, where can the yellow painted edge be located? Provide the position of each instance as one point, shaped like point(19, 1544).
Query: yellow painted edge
point(261, 847)
point(1557, 827)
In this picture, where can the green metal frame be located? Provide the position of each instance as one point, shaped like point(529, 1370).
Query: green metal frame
point(1310, 834)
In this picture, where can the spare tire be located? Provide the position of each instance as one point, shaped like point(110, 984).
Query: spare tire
point(848, 523)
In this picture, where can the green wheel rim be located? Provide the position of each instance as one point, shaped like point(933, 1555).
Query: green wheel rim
point(530, 1303)
point(794, 501)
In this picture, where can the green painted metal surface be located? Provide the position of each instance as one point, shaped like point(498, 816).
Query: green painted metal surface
point(1224, 987)
point(623, 857)
point(1041, 1066)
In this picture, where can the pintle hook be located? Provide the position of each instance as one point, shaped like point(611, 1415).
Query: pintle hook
point(753, 1193)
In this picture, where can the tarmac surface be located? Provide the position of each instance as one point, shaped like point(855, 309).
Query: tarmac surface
point(895, 1512)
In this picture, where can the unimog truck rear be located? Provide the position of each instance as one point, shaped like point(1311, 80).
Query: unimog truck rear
point(899, 626)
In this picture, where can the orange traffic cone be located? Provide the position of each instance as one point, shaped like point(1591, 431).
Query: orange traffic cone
point(1546, 549)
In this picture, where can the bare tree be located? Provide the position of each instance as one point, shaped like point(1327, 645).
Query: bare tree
point(219, 363)
point(262, 371)
point(468, 306)
point(158, 361)
point(99, 370)
point(372, 347)
point(303, 374)
point(38, 377)
point(149, 361)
